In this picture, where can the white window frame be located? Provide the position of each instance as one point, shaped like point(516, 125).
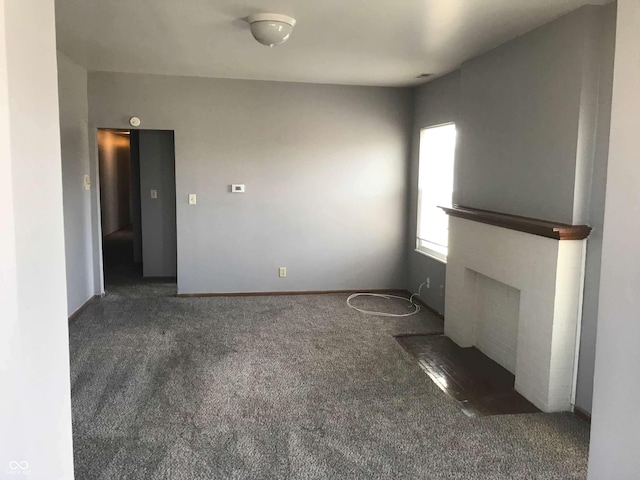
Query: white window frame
point(425, 246)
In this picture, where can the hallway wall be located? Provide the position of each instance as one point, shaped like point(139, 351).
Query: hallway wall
point(136, 208)
point(115, 181)
point(73, 104)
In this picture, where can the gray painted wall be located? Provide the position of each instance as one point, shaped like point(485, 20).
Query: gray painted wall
point(115, 181)
point(434, 103)
point(324, 168)
point(615, 425)
point(136, 211)
point(157, 171)
point(533, 119)
point(35, 413)
point(73, 104)
point(519, 121)
point(595, 204)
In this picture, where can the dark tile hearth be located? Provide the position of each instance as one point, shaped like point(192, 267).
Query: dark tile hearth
point(480, 385)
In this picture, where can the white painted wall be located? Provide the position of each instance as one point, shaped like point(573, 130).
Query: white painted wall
point(615, 442)
point(74, 111)
point(324, 168)
point(35, 405)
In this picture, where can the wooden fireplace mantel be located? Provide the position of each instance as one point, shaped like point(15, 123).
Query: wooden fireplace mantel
point(534, 226)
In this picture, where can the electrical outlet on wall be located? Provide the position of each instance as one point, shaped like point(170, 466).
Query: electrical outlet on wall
point(154, 194)
point(282, 272)
point(428, 282)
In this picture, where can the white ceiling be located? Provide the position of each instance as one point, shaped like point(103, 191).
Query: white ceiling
point(363, 42)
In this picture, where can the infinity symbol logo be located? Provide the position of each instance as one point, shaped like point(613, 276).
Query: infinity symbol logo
point(13, 465)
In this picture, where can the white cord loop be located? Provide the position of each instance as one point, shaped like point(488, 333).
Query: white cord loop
point(387, 297)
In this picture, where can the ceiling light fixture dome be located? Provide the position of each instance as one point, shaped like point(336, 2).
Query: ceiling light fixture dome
point(271, 28)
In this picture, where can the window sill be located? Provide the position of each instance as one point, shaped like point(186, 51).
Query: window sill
point(433, 255)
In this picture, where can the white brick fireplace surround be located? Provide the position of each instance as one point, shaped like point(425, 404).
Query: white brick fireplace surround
point(517, 297)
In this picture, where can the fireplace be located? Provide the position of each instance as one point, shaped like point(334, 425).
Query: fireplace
point(496, 310)
point(514, 291)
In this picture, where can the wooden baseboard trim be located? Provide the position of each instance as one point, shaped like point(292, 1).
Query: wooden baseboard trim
point(427, 307)
point(580, 413)
point(82, 308)
point(270, 294)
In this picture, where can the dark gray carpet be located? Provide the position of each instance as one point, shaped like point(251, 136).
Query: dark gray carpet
point(282, 387)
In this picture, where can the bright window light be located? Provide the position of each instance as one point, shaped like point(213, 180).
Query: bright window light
point(435, 188)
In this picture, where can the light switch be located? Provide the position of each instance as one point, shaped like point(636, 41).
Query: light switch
point(192, 199)
point(154, 194)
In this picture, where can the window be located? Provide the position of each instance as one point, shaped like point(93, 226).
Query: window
point(435, 188)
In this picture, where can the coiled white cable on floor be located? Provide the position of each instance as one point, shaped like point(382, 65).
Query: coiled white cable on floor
point(387, 297)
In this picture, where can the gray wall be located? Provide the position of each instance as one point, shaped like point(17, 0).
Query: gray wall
point(115, 181)
point(72, 88)
point(157, 171)
point(434, 103)
point(533, 128)
point(35, 413)
point(595, 204)
point(615, 425)
point(324, 168)
point(532, 118)
point(520, 113)
point(136, 210)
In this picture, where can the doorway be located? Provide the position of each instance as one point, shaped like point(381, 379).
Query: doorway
point(138, 205)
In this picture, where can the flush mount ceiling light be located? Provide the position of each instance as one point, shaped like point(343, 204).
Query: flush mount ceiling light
point(271, 28)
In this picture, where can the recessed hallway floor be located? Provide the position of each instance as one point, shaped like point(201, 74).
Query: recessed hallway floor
point(282, 387)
